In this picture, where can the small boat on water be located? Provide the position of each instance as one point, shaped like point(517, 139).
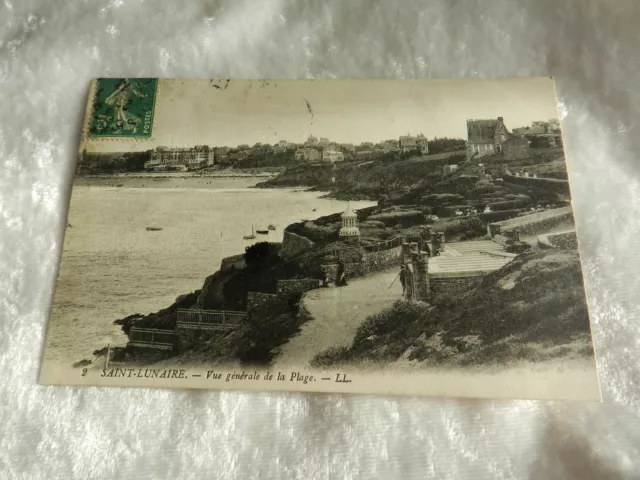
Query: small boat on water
point(153, 229)
point(262, 232)
point(271, 227)
point(252, 236)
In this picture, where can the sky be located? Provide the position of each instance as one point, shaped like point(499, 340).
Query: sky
point(217, 113)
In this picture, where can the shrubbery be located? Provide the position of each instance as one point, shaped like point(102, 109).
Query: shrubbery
point(314, 232)
point(404, 218)
point(441, 199)
point(260, 337)
point(330, 357)
point(393, 320)
point(498, 216)
point(510, 204)
point(128, 162)
point(470, 227)
point(440, 145)
point(541, 315)
point(372, 224)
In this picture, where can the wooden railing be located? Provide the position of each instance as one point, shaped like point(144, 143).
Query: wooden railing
point(384, 245)
point(210, 319)
point(152, 338)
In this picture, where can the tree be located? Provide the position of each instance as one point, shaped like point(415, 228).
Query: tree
point(134, 161)
point(386, 181)
point(440, 145)
point(260, 256)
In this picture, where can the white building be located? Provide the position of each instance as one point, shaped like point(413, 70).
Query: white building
point(163, 158)
point(308, 154)
point(332, 156)
point(349, 224)
point(204, 155)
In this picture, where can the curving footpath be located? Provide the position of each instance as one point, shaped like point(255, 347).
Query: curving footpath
point(337, 313)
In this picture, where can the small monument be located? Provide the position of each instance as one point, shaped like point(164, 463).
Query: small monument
point(349, 230)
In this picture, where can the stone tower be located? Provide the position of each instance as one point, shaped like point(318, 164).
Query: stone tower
point(349, 230)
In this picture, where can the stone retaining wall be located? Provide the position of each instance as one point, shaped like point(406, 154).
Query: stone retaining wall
point(378, 261)
point(550, 184)
point(565, 240)
point(297, 285)
point(235, 260)
point(292, 244)
point(371, 262)
point(532, 223)
point(350, 270)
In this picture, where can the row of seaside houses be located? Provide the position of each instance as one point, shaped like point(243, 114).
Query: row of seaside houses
point(163, 158)
point(312, 150)
point(484, 137)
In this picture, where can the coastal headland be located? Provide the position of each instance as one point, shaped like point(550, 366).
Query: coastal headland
point(483, 290)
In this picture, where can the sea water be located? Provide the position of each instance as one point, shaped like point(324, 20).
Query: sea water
point(113, 267)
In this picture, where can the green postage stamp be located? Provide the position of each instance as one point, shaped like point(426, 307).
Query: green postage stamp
point(123, 108)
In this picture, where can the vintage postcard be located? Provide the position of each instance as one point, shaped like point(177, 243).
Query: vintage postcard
point(403, 237)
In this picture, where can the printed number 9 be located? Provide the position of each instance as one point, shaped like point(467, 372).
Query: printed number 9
point(84, 372)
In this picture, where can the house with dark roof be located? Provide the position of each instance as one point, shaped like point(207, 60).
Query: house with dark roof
point(423, 144)
point(485, 137)
point(408, 143)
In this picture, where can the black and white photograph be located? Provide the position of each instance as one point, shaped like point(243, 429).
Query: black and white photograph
point(404, 237)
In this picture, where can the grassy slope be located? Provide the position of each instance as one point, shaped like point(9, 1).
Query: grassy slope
point(532, 309)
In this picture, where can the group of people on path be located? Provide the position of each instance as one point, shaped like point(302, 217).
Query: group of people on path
point(341, 275)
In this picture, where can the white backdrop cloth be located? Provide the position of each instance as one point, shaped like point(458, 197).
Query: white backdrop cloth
point(49, 49)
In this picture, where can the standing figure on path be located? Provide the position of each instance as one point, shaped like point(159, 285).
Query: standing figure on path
point(403, 278)
point(325, 278)
point(341, 277)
